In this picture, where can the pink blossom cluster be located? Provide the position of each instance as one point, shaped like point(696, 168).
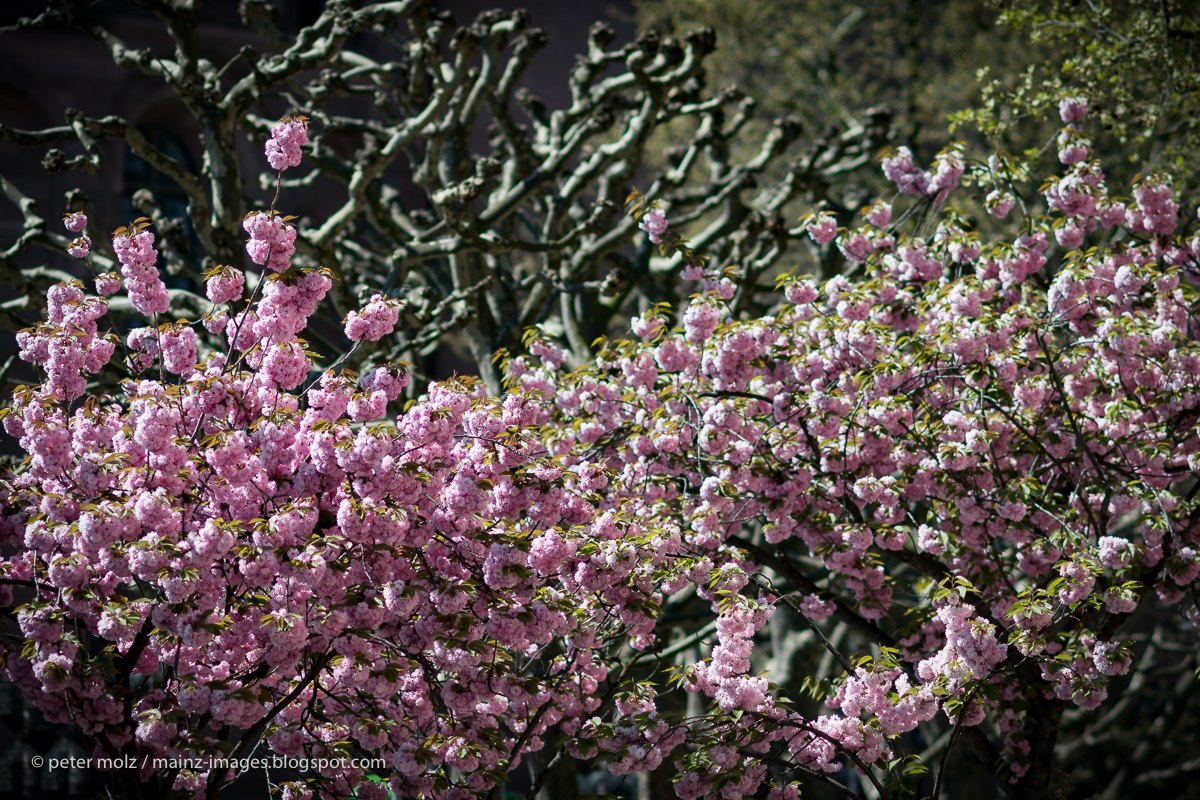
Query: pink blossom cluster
point(999, 203)
point(376, 320)
point(866, 693)
point(880, 214)
point(822, 228)
point(178, 345)
point(654, 223)
point(272, 240)
point(75, 222)
point(902, 169)
point(815, 608)
point(283, 148)
point(1073, 109)
point(1073, 147)
point(282, 311)
point(1154, 212)
point(68, 344)
point(1080, 681)
point(646, 327)
point(82, 245)
point(223, 481)
point(725, 677)
point(136, 254)
point(971, 650)
point(108, 283)
point(818, 746)
point(225, 285)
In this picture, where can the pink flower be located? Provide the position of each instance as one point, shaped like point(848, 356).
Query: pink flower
point(948, 168)
point(801, 292)
point(143, 346)
point(1111, 658)
point(215, 323)
point(80, 247)
point(283, 148)
point(1114, 551)
point(880, 214)
point(108, 283)
point(286, 364)
point(1073, 109)
point(149, 297)
point(699, 322)
point(1069, 236)
point(375, 321)
point(272, 241)
point(390, 381)
point(822, 228)
point(815, 608)
point(1073, 148)
point(1156, 213)
point(75, 222)
point(1112, 214)
point(1079, 582)
point(1120, 601)
point(226, 286)
point(999, 203)
point(902, 170)
point(179, 350)
point(654, 223)
point(646, 327)
point(1014, 511)
point(135, 250)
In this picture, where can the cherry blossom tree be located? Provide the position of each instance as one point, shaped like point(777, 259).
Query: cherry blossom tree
point(967, 476)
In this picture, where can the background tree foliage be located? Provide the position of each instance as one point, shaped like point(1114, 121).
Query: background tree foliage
point(825, 62)
point(995, 70)
point(1138, 60)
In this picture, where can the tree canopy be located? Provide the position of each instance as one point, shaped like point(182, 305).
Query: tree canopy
point(899, 500)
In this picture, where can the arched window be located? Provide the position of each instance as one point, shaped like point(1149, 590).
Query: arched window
point(139, 175)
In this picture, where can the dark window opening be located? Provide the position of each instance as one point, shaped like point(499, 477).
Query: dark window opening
point(172, 199)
